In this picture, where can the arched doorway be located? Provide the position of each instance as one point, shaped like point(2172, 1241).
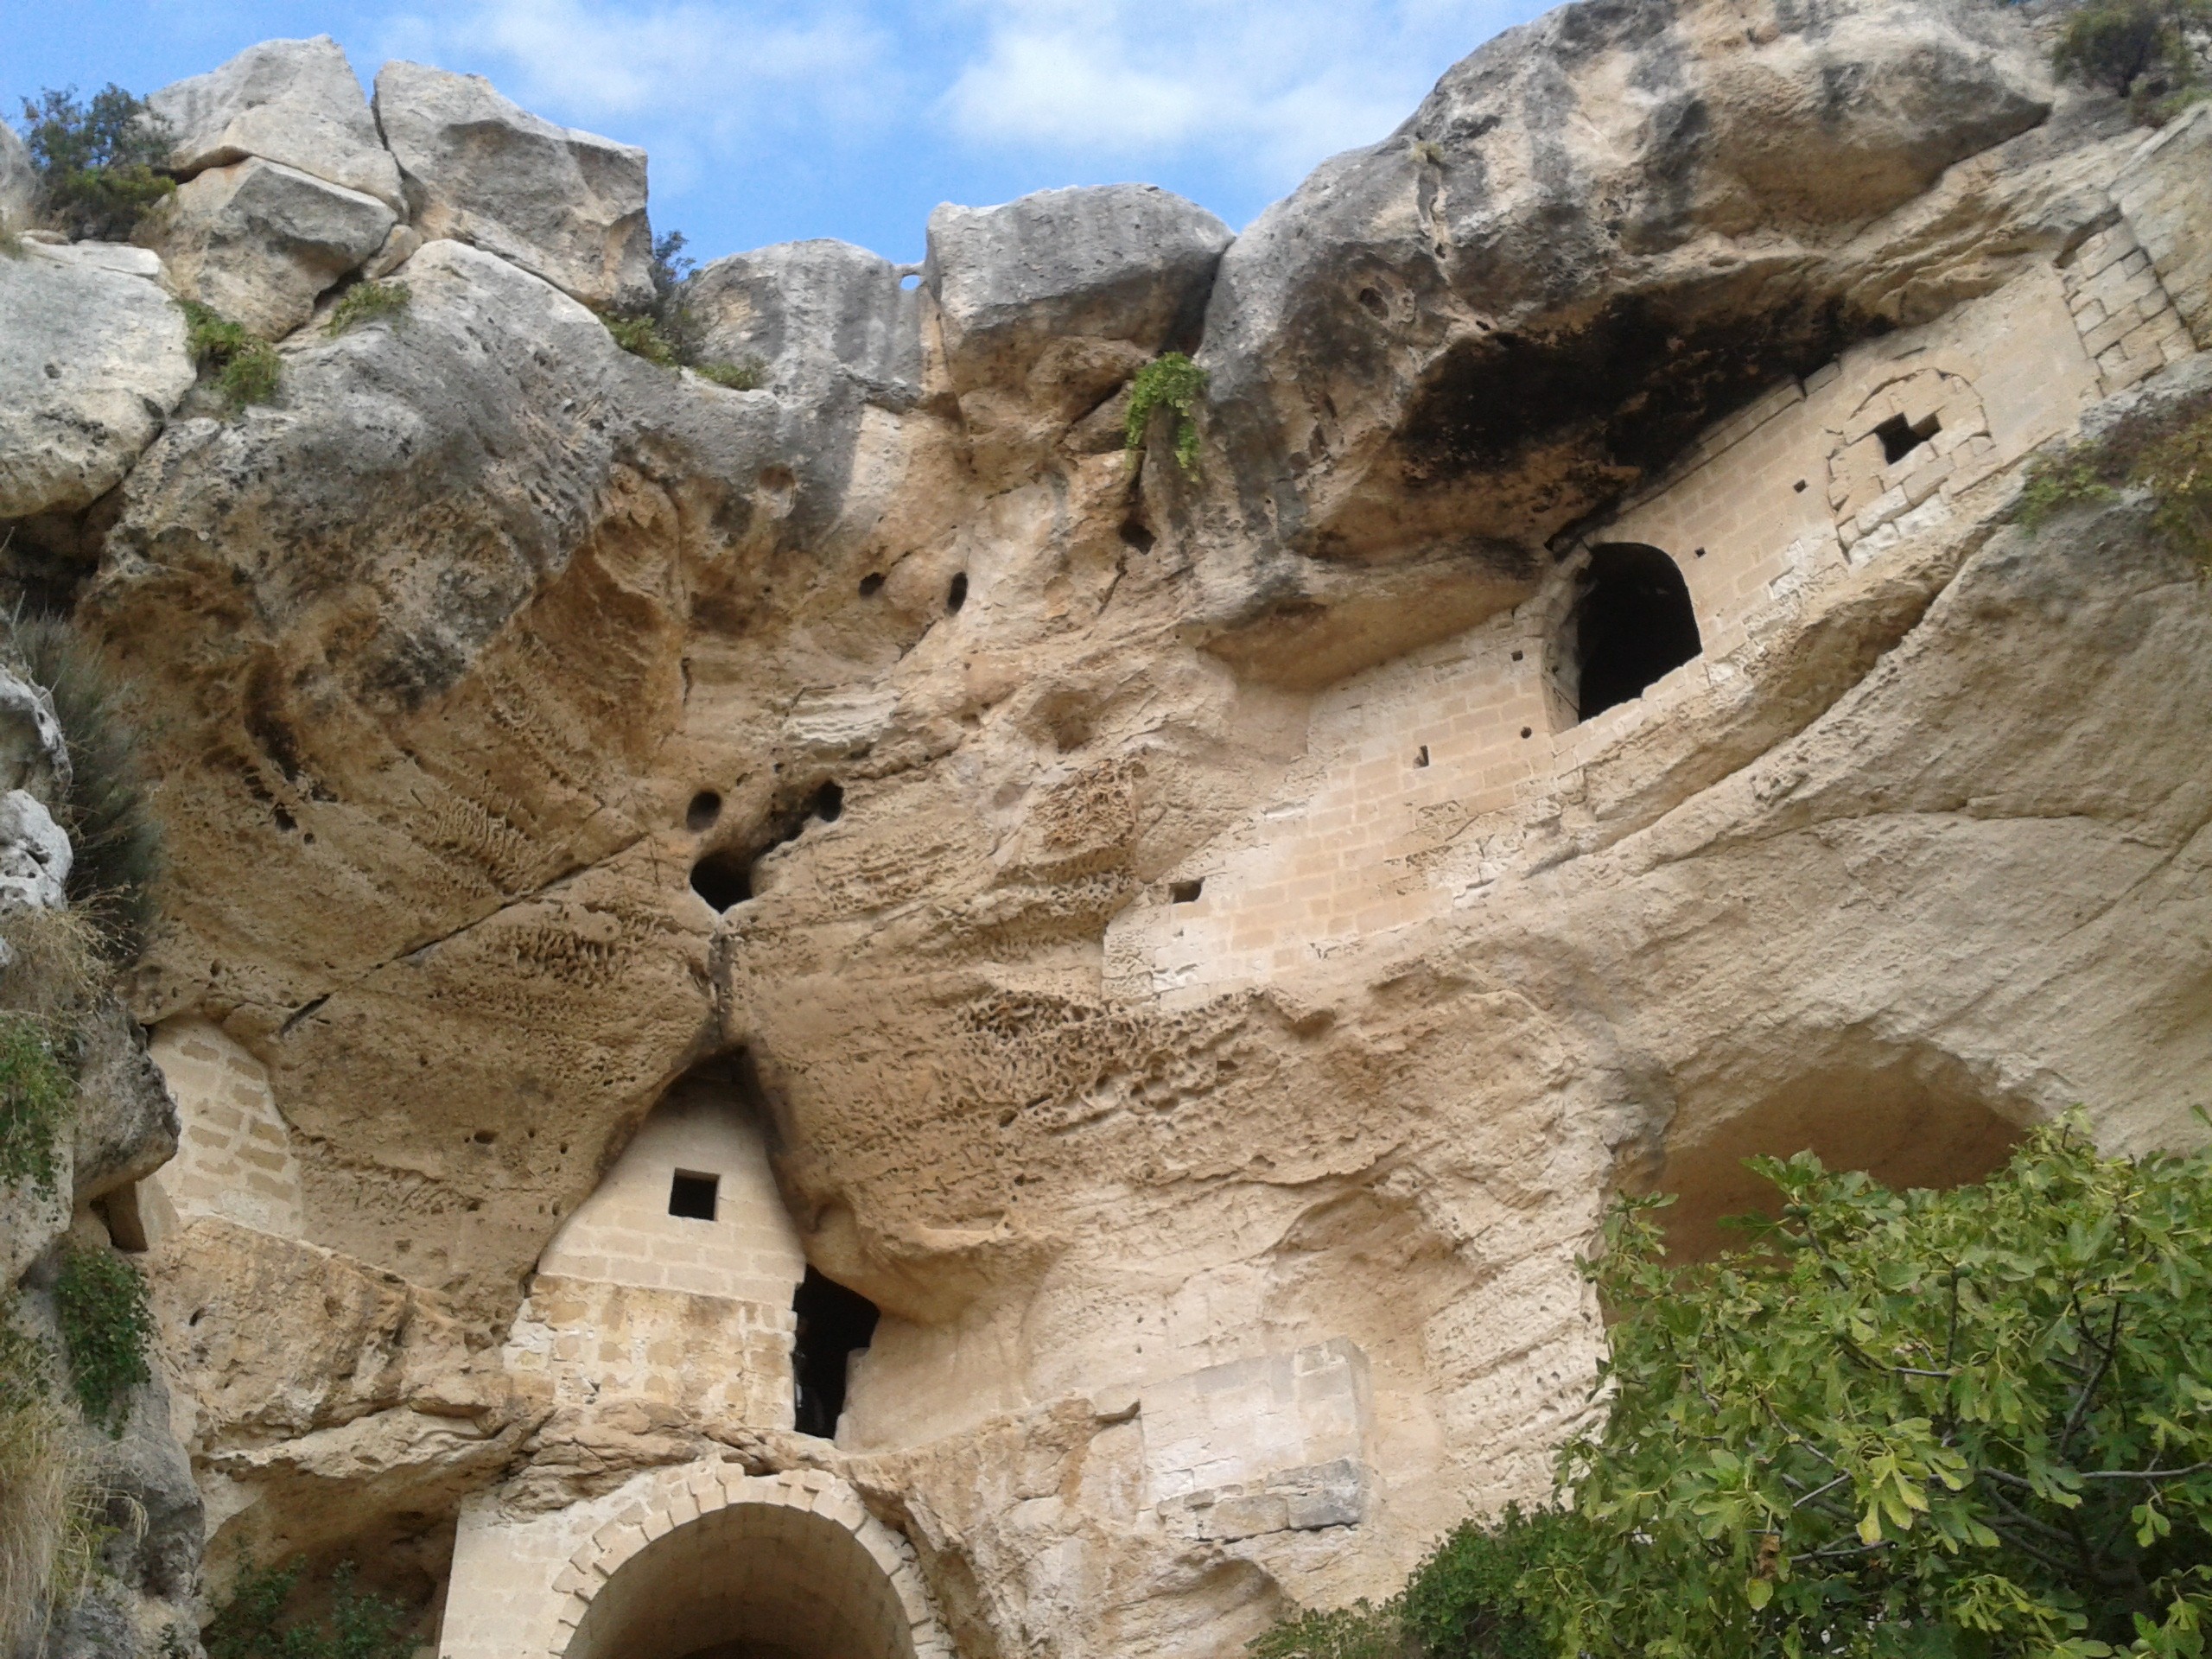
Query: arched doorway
point(785, 1571)
point(1632, 623)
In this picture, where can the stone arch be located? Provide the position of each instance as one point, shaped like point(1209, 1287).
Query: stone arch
point(1627, 622)
point(710, 1561)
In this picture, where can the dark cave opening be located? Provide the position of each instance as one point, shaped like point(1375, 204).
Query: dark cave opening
point(1633, 624)
point(834, 1324)
point(724, 878)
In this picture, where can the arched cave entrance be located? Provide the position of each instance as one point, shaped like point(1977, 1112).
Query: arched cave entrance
point(1632, 623)
point(1906, 1125)
point(747, 1581)
point(834, 1324)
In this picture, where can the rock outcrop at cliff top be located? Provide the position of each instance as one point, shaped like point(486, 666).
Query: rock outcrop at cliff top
point(1175, 931)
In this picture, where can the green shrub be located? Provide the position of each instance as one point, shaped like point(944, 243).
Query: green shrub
point(2166, 452)
point(112, 831)
point(38, 1102)
point(1471, 1599)
point(251, 1625)
point(97, 163)
point(668, 332)
point(99, 1300)
point(1170, 381)
point(1359, 1631)
point(245, 368)
point(367, 302)
point(2135, 48)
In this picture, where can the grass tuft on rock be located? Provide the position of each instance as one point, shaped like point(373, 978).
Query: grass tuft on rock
point(369, 302)
point(99, 163)
point(112, 831)
point(38, 1102)
point(50, 1528)
point(668, 333)
point(1173, 382)
point(243, 367)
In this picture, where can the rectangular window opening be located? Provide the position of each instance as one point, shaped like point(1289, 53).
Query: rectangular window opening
point(691, 1195)
point(1185, 892)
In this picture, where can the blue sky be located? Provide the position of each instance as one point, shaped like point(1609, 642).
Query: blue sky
point(853, 118)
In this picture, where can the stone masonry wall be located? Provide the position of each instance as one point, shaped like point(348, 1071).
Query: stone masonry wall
point(1787, 495)
point(234, 1154)
point(2161, 195)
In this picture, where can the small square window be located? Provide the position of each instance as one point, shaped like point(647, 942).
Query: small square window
point(692, 1195)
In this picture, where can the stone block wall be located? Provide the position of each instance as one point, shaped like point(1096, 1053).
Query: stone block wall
point(594, 1340)
point(2127, 320)
point(234, 1151)
point(624, 1234)
point(1272, 1444)
point(1452, 746)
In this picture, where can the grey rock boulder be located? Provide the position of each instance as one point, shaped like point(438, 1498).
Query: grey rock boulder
point(35, 855)
point(821, 318)
point(259, 241)
point(293, 102)
point(127, 1123)
point(92, 362)
point(563, 204)
point(1128, 262)
point(1600, 231)
point(18, 183)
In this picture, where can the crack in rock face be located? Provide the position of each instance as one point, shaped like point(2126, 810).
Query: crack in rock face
point(811, 982)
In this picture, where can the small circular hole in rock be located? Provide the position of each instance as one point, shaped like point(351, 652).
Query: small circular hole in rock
point(871, 584)
point(957, 594)
point(706, 806)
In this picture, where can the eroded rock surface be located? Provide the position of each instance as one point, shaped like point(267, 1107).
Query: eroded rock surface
point(1193, 948)
point(92, 362)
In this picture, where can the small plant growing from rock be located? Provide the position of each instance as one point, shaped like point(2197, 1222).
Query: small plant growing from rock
point(368, 303)
point(252, 1624)
point(1170, 381)
point(668, 333)
point(2166, 452)
point(245, 367)
point(38, 1099)
point(99, 1300)
point(99, 163)
point(2137, 49)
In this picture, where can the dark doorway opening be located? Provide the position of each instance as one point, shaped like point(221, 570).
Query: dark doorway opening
point(691, 1195)
point(834, 1324)
point(1633, 624)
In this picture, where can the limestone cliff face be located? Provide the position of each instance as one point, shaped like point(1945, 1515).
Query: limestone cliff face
point(1173, 936)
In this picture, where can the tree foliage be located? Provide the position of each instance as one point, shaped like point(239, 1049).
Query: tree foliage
point(1972, 1424)
point(97, 163)
point(2138, 49)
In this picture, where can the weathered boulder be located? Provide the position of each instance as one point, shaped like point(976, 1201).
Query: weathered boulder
point(293, 102)
point(817, 318)
point(567, 206)
point(92, 362)
point(1542, 284)
point(126, 1121)
point(1118, 262)
point(18, 183)
point(259, 241)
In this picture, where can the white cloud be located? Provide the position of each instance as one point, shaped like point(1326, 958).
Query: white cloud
point(1269, 86)
point(725, 66)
